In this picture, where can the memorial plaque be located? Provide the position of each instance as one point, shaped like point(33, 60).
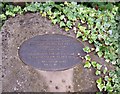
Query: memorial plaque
point(51, 52)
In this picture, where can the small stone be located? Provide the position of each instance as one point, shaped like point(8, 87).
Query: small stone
point(6, 57)
point(92, 49)
point(74, 28)
point(82, 57)
point(90, 70)
point(79, 54)
point(18, 47)
point(53, 32)
point(15, 89)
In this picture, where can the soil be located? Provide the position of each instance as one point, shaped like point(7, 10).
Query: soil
point(18, 77)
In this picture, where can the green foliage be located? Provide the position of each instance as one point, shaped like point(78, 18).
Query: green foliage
point(98, 66)
point(3, 17)
point(30, 7)
point(100, 84)
point(69, 24)
point(62, 17)
point(62, 24)
point(12, 10)
point(87, 64)
point(87, 57)
point(86, 49)
point(100, 53)
point(94, 64)
point(98, 72)
point(105, 70)
point(79, 34)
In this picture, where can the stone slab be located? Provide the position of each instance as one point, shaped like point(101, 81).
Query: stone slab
point(20, 77)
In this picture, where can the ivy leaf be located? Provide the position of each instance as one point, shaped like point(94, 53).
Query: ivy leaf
point(87, 57)
point(82, 28)
point(99, 81)
point(107, 78)
point(31, 8)
point(84, 38)
point(69, 24)
point(73, 3)
point(9, 7)
point(94, 64)
point(98, 66)
point(86, 49)
point(93, 37)
point(66, 10)
point(3, 17)
point(67, 29)
point(44, 14)
point(98, 24)
point(107, 42)
point(109, 86)
point(79, 34)
point(54, 21)
point(49, 12)
point(55, 14)
point(71, 16)
point(100, 36)
point(62, 24)
point(62, 17)
point(105, 36)
point(1, 5)
point(16, 9)
point(113, 62)
point(97, 49)
point(98, 72)
point(86, 32)
point(100, 53)
point(105, 70)
point(66, 3)
point(9, 13)
point(100, 86)
point(87, 64)
point(90, 41)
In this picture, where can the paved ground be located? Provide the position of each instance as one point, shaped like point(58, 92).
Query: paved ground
point(20, 77)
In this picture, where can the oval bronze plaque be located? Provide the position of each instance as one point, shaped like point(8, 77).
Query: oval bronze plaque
point(51, 52)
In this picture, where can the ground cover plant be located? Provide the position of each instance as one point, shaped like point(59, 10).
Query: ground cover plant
point(96, 25)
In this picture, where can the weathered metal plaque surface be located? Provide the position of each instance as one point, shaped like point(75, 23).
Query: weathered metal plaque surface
point(51, 52)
